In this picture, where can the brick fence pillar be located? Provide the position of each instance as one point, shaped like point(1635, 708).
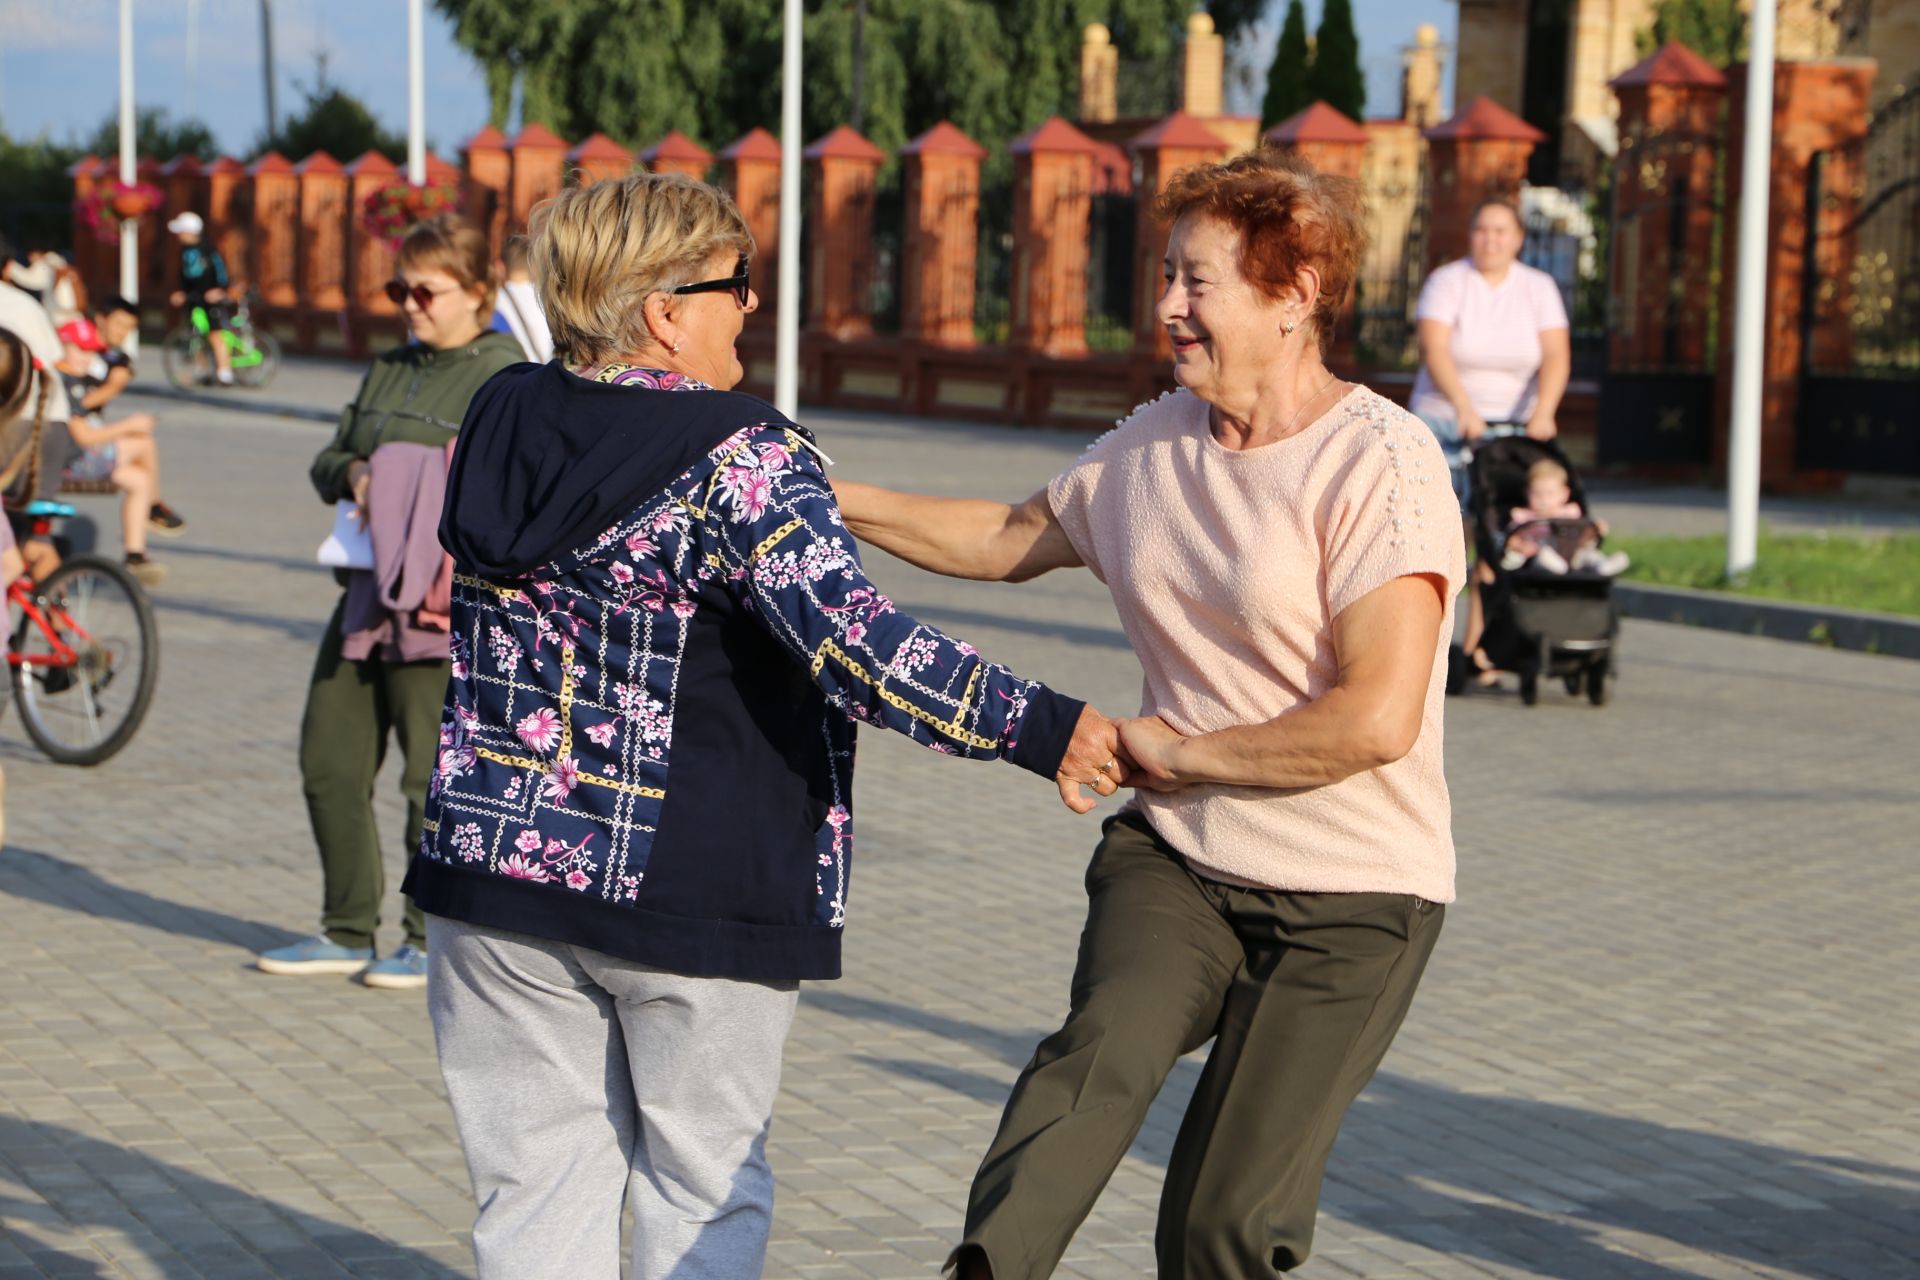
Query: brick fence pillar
point(486, 174)
point(1325, 137)
point(1052, 204)
point(1816, 106)
point(750, 171)
point(840, 261)
point(87, 173)
point(942, 241)
point(276, 221)
point(369, 258)
point(185, 186)
point(677, 153)
point(1480, 154)
point(539, 171)
point(1662, 259)
point(598, 159)
point(230, 216)
point(324, 215)
point(1178, 142)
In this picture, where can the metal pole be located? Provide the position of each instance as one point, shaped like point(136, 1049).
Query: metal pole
point(416, 96)
point(266, 60)
point(1750, 300)
point(786, 342)
point(129, 174)
point(193, 50)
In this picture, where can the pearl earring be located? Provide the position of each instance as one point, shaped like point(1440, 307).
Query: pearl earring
point(675, 348)
point(1287, 327)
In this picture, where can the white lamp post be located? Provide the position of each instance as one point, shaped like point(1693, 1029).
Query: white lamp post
point(129, 227)
point(416, 96)
point(786, 340)
point(1750, 300)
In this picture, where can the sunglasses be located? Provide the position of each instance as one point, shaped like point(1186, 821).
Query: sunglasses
point(735, 284)
point(398, 293)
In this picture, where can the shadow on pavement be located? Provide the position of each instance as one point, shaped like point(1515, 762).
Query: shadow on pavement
point(187, 1226)
point(39, 877)
point(1519, 1182)
point(306, 630)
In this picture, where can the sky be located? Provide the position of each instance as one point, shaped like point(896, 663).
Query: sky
point(59, 62)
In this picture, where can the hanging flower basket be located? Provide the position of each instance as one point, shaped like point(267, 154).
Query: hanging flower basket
point(389, 211)
point(113, 202)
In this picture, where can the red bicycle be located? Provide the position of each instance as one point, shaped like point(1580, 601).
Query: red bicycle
point(85, 654)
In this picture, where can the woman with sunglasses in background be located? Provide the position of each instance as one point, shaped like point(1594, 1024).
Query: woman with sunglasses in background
point(361, 691)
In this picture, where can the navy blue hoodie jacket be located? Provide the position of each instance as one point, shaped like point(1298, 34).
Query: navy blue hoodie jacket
point(662, 638)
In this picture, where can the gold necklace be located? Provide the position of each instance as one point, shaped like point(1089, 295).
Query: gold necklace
point(1288, 429)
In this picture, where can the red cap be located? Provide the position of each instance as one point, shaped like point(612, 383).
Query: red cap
point(83, 335)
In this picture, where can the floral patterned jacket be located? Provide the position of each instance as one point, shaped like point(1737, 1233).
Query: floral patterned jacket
point(648, 743)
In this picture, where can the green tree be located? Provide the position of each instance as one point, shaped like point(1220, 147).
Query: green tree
point(1288, 89)
point(33, 174)
point(334, 121)
point(155, 135)
point(1714, 29)
point(636, 68)
point(1336, 78)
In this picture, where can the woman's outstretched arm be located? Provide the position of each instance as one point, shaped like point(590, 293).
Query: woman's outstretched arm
point(959, 537)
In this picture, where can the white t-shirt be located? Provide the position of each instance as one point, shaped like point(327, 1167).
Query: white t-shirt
point(21, 312)
point(520, 304)
point(1496, 338)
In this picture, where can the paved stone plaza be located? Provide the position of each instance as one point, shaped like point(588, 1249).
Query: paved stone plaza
point(1672, 1030)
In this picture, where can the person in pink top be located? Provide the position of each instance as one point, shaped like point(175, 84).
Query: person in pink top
point(1495, 348)
point(1283, 552)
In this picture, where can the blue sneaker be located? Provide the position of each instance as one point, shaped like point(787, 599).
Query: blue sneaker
point(404, 970)
point(314, 955)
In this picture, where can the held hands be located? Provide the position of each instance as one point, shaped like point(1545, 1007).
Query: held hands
point(1472, 425)
point(1109, 754)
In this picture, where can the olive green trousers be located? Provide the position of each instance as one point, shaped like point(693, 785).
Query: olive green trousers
point(1301, 994)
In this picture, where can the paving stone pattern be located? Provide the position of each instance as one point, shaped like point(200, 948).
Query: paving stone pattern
point(1671, 1030)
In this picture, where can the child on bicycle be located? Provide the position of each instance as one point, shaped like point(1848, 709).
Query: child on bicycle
point(203, 283)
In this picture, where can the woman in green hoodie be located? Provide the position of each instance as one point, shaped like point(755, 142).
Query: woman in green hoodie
point(417, 393)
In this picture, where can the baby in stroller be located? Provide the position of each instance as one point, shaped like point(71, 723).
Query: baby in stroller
point(1552, 533)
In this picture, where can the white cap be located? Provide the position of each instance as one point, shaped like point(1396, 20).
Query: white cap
point(188, 223)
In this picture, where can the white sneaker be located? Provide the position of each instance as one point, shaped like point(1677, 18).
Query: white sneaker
point(1614, 565)
point(224, 377)
point(1550, 561)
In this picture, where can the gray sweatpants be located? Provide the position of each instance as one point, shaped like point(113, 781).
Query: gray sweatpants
point(580, 1082)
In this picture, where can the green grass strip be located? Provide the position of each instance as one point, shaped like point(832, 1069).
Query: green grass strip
point(1844, 568)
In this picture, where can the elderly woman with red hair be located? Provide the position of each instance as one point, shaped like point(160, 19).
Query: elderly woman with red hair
point(1283, 551)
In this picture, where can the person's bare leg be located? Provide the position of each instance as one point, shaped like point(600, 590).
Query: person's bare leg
point(40, 558)
point(136, 500)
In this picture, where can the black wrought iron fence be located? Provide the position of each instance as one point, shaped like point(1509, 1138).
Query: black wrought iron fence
point(1112, 224)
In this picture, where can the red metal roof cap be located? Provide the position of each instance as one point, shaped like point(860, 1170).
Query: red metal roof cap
point(372, 163)
point(677, 146)
point(226, 164)
point(1177, 130)
point(1671, 63)
point(439, 170)
point(1054, 135)
point(181, 165)
point(844, 143)
point(944, 139)
point(488, 137)
point(271, 162)
point(755, 144)
point(1320, 122)
point(1487, 119)
point(319, 162)
point(537, 136)
point(598, 146)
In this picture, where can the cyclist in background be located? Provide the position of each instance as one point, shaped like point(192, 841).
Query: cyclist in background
point(203, 283)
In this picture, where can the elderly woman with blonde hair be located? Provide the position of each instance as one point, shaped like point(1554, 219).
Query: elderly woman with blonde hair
point(1282, 550)
point(640, 829)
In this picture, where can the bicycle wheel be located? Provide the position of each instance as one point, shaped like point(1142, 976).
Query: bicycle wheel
point(256, 358)
point(84, 670)
point(188, 359)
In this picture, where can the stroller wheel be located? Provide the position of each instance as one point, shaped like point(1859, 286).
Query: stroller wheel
point(1597, 684)
point(1573, 684)
point(1529, 687)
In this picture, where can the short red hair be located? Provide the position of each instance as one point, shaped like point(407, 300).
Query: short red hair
point(1289, 215)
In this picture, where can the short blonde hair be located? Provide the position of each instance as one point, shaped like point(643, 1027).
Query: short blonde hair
point(448, 242)
point(597, 252)
point(1547, 469)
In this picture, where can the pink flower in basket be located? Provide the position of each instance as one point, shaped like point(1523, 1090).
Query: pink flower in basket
point(389, 211)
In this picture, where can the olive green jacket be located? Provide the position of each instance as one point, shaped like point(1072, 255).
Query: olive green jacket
point(413, 393)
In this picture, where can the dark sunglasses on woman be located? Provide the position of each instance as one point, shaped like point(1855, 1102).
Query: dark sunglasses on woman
point(735, 283)
point(398, 293)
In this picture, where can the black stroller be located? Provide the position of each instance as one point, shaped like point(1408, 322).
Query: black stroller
point(1538, 624)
